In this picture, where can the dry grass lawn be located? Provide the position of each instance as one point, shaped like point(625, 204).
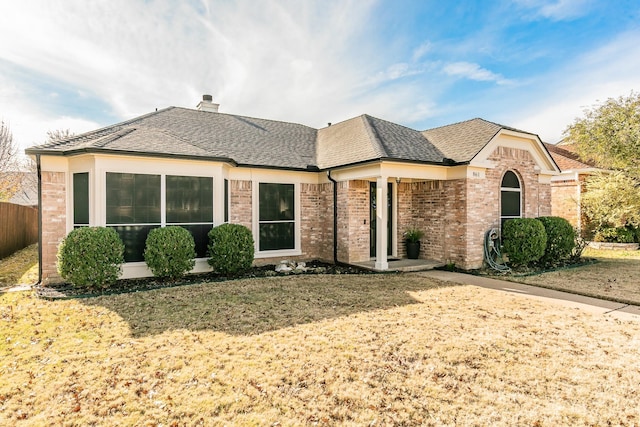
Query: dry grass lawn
point(316, 350)
point(615, 276)
point(20, 268)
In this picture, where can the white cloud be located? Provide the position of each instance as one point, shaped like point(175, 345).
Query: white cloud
point(471, 71)
point(557, 10)
point(421, 51)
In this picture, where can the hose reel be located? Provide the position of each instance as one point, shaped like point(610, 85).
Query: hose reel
point(492, 254)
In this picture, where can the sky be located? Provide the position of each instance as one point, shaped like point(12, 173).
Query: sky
point(530, 64)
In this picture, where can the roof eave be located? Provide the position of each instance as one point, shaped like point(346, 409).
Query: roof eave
point(93, 150)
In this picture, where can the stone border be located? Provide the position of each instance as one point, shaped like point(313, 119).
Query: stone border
point(614, 246)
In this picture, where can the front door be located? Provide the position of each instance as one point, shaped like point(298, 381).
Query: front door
point(372, 219)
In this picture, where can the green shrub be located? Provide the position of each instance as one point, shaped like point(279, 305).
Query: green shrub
point(524, 239)
point(231, 248)
point(561, 239)
point(615, 235)
point(170, 251)
point(91, 256)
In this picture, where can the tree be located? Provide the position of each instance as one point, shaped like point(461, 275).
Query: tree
point(59, 135)
point(612, 200)
point(609, 134)
point(9, 164)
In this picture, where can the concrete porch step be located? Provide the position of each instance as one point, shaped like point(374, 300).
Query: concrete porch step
point(405, 265)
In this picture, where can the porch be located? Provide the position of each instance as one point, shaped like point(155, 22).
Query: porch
point(402, 264)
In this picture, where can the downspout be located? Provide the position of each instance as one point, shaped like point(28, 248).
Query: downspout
point(39, 174)
point(335, 217)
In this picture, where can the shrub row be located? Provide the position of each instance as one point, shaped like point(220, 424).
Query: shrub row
point(547, 240)
point(93, 256)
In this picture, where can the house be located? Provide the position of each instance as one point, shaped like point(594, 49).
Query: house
point(305, 193)
point(568, 186)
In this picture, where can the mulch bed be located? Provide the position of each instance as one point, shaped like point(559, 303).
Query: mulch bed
point(66, 290)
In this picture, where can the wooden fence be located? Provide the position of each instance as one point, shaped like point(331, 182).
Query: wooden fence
point(18, 227)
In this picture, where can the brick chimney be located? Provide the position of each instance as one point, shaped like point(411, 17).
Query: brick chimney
point(207, 104)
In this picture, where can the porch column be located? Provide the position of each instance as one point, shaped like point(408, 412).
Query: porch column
point(382, 218)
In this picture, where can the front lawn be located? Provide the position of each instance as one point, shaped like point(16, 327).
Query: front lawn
point(317, 350)
point(615, 276)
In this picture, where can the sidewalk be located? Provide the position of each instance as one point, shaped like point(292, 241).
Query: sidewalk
point(593, 305)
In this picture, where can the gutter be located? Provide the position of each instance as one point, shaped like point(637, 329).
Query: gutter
point(335, 216)
point(39, 174)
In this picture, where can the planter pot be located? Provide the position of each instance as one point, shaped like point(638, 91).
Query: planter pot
point(413, 250)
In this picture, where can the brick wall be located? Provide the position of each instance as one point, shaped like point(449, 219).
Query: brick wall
point(564, 196)
point(353, 221)
point(54, 222)
point(316, 224)
point(240, 203)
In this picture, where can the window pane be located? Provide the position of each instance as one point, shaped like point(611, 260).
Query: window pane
point(276, 202)
point(134, 238)
point(81, 198)
point(133, 198)
point(189, 199)
point(510, 203)
point(200, 235)
point(510, 180)
point(278, 235)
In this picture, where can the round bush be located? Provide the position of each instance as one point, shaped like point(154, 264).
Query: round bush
point(524, 239)
point(91, 256)
point(561, 239)
point(170, 251)
point(231, 248)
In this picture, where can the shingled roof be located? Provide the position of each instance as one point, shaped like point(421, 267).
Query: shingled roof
point(199, 134)
point(365, 138)
point(567, 160)
point(249, 141)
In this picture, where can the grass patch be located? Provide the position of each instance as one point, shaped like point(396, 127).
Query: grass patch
point(20, 267)
point(322, 350)
point(615, 276)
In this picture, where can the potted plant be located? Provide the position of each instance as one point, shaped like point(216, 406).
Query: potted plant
point(412, 241)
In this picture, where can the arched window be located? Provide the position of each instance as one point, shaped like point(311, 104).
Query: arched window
point(510, 197)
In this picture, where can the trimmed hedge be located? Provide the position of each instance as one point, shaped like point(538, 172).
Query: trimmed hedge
point(231, 248)
point(91, 256)
point(170, 251)
point(560, 239)
point(524, 240)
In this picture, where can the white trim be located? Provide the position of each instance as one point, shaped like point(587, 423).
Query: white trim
point(517, 140)
point(511, 189)
point(255, 220)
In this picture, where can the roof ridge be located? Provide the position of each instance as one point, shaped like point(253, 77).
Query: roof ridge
point(246, 117)
point(458, 123)
point(373, 132)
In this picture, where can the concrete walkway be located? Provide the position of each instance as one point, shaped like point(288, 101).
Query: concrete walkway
point(592, 305)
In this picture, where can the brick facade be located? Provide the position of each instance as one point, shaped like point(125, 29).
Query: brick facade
point(353, 221)
point(565, 195)
point(54, 222)
point(454, 214)
point(316, 223)
point(240, 200)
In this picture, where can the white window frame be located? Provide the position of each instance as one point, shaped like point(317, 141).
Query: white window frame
point(510, 189)
point(296, 251)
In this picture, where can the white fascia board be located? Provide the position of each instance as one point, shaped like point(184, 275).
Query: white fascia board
point(522, 141)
